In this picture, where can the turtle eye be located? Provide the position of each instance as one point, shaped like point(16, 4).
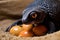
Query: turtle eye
point(33, 15)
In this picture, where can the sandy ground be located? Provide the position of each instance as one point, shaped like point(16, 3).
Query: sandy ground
point(10, 11)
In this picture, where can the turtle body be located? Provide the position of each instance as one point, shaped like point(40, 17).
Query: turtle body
point(51, 7)
point(48, 13)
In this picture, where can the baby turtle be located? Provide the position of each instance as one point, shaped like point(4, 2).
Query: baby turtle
point(45, 12)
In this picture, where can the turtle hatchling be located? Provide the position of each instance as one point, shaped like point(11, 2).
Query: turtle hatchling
point(46, 12)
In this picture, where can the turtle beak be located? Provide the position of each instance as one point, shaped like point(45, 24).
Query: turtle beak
point(25, 20)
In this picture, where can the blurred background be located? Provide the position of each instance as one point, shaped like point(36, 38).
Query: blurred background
point(10, 11)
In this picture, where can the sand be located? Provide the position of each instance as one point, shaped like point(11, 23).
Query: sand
point(10, 11)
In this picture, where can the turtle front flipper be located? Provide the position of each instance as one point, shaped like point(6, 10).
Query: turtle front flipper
point(19, 22)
